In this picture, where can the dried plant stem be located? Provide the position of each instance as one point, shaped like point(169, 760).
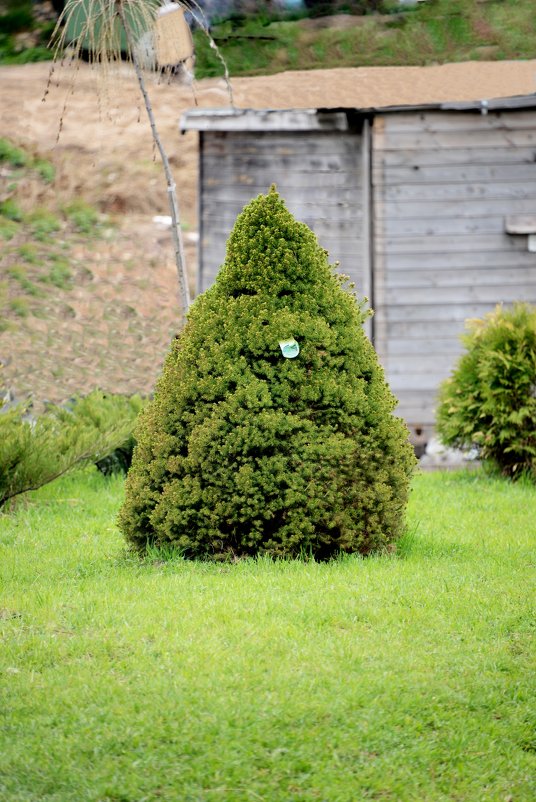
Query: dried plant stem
point(200, 18)
point(171, 186)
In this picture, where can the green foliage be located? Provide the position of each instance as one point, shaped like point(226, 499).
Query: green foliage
point(29, 253)
point(17, 19)
point(268, 41)
point(84, 217)
point(320, 8)
point(60, 275)
point(8, 228)
point(11, 210)
point(19, 306)
point(16, 158)
point(432, 32)
point(243, 451)
point(43, 223)
point(11, 154)
point(19, 273)
point(120, 460)
point(45, 169)
point(35, 452)
point(489, 402)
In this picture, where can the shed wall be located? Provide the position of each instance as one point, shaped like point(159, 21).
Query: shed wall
point(318, 174)
point(443, 184)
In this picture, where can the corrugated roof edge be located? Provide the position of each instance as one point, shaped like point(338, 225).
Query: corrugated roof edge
point(328, 119)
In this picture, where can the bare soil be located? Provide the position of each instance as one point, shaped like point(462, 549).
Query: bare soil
point(113, 328)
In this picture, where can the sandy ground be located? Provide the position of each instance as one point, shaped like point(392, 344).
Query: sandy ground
point(98, 137)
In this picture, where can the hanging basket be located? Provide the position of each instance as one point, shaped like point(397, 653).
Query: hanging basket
point(172, 35)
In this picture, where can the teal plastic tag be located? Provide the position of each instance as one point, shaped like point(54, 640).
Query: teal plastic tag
point(289, 348)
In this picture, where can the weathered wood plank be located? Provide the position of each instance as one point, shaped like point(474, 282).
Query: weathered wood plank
point(462, 243)
point(407, 346)
point(427, 382)
point(472, 207)
point(460, 156)
point(443, 226)
point(452, 174)
point(442, 121)
point(285, 181)
point(278, 145)
point(416, 399)
point(445, 190)
point(441, 262)
point(300, 162)
point(427, 330)
point(437, 313)
point(422, 297)
point(487, 275)
point(416, 409)
point(458, 138)
point(417, 418)
point(414, 364)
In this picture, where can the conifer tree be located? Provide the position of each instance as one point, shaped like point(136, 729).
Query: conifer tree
point(271, 430)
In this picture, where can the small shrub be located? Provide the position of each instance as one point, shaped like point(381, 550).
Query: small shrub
point(11, 210)
point(19, 306)
point(35, 452)
point(11, 154)
point(45, 169)
point(489, 402)
point(16, 157)
point(43, 223)
point(246, 452)
point(17, 19)
point(8, 228)
point(59, 275)
point(120, 460)
point(29, 253)
point(84, 217)
point(18, 272)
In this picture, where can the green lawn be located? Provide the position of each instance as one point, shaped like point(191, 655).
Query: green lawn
point(404, 677)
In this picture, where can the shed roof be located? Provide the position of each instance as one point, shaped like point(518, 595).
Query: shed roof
point(330, 119)
point(377, 87)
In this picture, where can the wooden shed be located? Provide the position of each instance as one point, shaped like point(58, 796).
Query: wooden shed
point(431, 210)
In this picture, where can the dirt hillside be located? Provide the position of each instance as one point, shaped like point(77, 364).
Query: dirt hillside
point(112, 327)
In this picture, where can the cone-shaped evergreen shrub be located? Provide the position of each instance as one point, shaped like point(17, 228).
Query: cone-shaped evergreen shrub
point(244, 451)
point(489, 401)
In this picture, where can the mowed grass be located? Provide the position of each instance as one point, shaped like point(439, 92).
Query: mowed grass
point(408, 676)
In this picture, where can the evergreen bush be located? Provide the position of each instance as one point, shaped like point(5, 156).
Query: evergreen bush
point(120, 459)
point(35, 451)
point(489, 402)
point(243, 451)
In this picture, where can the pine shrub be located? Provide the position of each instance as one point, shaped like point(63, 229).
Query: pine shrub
point(35, 451)
point(120, 459)
point(489, 402)
point(246, 452)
